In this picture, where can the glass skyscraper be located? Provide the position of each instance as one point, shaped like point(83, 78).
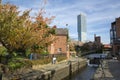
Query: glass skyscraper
point(82, 30)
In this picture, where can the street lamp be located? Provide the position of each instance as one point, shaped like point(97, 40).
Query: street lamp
point(68, 50)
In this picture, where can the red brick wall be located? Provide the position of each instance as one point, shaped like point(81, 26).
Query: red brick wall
point(60, 42)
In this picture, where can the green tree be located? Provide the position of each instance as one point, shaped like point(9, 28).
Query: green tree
point(85, 47)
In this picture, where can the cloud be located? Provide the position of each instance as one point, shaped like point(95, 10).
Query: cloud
point(74, 36)
point(99, 14)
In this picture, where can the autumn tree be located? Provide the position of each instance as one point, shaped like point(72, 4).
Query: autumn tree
point(19, 33)
point(43, 34)
point(71, 45)
point(14, 28)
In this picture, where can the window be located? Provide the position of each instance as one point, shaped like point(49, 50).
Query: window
point(111, 34)
point(59, 49)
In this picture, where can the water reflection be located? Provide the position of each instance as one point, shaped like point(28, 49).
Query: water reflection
point(86, 74)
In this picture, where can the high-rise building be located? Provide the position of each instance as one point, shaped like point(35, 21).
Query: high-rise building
point(82, 30)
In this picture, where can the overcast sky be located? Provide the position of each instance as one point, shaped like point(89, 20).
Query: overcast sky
point(99, 14)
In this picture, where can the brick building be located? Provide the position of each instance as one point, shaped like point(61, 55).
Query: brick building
point(60, 43)
point(115, 37)
point(97, 41)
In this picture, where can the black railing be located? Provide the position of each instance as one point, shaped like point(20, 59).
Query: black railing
point(43, 56)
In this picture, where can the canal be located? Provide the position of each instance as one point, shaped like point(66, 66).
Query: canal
point(86, 74)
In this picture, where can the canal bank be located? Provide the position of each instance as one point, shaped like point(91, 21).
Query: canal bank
point(58, 71)
point(108, 70)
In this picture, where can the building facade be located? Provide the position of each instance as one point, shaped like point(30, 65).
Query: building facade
point(97, 44)
point(97, 39)
point(81, 25)
point(115, 37)
point(59, 45)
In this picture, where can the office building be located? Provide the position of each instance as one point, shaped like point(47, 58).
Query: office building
point(81, 24)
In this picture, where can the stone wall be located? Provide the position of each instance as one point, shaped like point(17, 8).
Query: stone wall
point(59, 72)
point(64, 71)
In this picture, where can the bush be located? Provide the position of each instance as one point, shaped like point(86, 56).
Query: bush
point(28, 52)
point(60, 58)
point(47, 60)
point(41, 61)
point(17, 63)
point(45, 52)
point(3, 51)
point(14, 65)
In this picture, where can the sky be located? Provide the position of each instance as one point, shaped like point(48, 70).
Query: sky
point(99, 14)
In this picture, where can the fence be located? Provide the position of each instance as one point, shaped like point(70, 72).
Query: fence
point(44, 56)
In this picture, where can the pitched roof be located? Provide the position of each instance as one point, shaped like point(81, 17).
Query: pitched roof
point(61, 31)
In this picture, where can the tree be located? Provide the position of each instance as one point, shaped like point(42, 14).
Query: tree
point(43, 34)
point(14, 29)
point(85, 47)
point(71, 44)
point(19, 32)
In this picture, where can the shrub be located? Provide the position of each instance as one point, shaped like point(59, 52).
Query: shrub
point(60, 58)
point(45, 52)
point(3, 51)
point(41, 61)
point(17, 63)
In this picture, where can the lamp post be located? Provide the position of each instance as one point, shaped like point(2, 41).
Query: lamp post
point(68, 50)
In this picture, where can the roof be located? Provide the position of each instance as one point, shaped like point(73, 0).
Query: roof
point(107, 46)
point(113, 23)
point(61, 31)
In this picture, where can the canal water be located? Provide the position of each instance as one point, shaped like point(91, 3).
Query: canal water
point(86, 74)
